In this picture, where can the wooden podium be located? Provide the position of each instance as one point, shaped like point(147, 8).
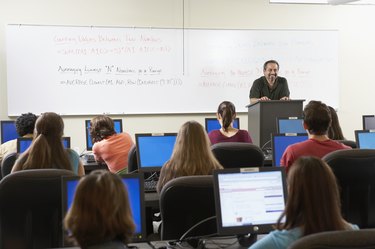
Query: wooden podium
point(262, 118)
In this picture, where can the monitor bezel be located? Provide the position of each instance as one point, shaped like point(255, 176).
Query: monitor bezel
point(273, 135)
point(2, 122)
point(136, 237)
point(364, 119)
point(151, 168)
point(243, 230)
point(206, 120)
point(19, 139)
point(357, 132)
point(87, 124)
point(278, 119)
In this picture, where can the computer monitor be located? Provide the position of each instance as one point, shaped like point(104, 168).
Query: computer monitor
point(23, 143)
point(368, 122)
point(365, 139)
point(289, 125)
point(134, 184)
point(118, 129)
point(249, 200)
point(8, 130)
point(153, 150)
point(281, 141)
point(213, 124)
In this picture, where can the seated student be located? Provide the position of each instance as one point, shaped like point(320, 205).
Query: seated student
point(191, 155)
point(334, 131)
point(25, 127)
point(312, 206)
point(108, 146)
point(316, 120)
point(100, 215)
point(226, 113)
point(47, 150)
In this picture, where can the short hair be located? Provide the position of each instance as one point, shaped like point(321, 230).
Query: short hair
point(25, 124)
point(100, 210)
point(317, 117)
point(269, 62)
point(313, 201)
point(227, 111)
point(101, 127)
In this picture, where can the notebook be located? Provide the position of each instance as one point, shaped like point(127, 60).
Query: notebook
point(289, 125)
point(8, 130)
point(281, 141)
point(134, 184)
point(214, 124)
point(249, 200)
point(118, 129)
point(365, 139)
point(23, 143)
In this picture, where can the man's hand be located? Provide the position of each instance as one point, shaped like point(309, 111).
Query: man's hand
point(285, 98)
point(264, 98)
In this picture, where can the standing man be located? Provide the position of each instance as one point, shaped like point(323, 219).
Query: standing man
point(270, 86)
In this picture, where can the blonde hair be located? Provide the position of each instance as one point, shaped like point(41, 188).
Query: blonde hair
point(100, 210)
point(191, 155)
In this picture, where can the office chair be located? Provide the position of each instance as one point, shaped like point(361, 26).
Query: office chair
point(31, 209)
point(337, 239)
point(7, 163)
point(355, 173)
point(132, 159)
point(184, 202)
point(350, 143)
point(236, 155)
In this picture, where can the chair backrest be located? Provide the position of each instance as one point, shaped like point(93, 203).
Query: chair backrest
point(237, 155)
point(337, 239)
point(31, 209)
point(132, 159)
point(350, 143)
point(184, 202)
point(355, 172)
point(7, 163)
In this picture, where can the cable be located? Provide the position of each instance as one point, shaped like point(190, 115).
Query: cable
point(265, 144)
point(194, 226)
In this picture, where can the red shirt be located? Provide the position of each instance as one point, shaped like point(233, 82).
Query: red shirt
point(310, 147)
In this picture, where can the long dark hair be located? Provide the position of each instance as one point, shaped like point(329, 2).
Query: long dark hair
point(227, 111)
point(334, 131)
point(313, 202)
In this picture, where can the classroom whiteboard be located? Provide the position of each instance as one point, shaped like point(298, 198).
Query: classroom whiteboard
point(93, 70)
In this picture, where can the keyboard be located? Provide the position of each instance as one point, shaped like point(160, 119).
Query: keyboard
point(150, 186)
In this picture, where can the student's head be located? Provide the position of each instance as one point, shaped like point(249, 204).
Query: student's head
point(334, 131)
point(50, 125)
point(226, 113)
point(100, 210)
point(101, 127)
point(316, 118)
point(25, 124)
point(313, 198)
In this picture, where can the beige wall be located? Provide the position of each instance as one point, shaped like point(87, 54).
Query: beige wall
point(355, 25)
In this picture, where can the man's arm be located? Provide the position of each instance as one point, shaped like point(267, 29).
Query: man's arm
point(254, 100)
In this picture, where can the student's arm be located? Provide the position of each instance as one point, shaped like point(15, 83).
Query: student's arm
point(81, 169)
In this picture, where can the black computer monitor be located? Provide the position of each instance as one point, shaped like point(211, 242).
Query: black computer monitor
point(118, 129)
point(249, 200)
point(289, 125)
point(368, 122)
point(23, 143)
point(365, 139)
point(134, 184)
point(213, 124)
point(153, 150)
point(8, 130)
point(281, 141)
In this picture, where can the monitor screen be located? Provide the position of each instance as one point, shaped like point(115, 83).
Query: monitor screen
point(368, 122)
point(213, 124)
point(134, 184)
point(249, 200)
point(118, 129)
point(153, 150)
point(365, 139)
point(290, 125)
point(23, 143)
point(8, 131)
point(280, 142)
